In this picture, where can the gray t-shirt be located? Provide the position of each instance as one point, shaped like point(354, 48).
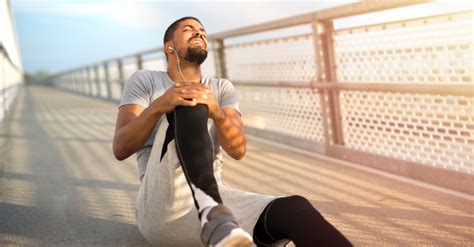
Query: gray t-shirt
point(144, 86)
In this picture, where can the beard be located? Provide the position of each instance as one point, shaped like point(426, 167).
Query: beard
point(196, 55)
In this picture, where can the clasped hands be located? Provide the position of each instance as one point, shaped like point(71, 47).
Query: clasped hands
point(188, 94)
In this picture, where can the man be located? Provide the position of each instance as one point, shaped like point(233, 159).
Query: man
point(176, 122)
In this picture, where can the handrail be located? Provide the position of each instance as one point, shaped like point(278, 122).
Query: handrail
point(352, 9)
point(321, 100)
point(389, 23)
point(321, 15)
point(414, 88)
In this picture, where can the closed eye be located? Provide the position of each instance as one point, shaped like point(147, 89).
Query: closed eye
point(191, 28)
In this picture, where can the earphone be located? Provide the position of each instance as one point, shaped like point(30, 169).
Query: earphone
point(177, 58)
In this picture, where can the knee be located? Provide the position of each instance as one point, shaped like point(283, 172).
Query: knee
point(200, 111)
point(297, 206)
point(297, 199)
point(296, 202)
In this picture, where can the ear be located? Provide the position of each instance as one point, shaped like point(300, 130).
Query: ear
point(168, 47)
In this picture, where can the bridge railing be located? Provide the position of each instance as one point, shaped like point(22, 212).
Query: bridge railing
point(397, 96)
point(11, 77)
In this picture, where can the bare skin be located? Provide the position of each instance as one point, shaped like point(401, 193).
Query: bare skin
point(135, 123)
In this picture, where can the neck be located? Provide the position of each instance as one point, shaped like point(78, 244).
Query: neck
point(192, 72)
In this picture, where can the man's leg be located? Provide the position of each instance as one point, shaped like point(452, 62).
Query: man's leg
point(296, 219)
point(194, 147)
point(195, 152)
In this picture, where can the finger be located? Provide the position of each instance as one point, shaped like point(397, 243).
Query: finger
point(205, 89)
point(193, 95)
point(197, 95)
point(186, 84)
point(184, 102)
point(203, 101)
point(179, 84)
point(193, 90)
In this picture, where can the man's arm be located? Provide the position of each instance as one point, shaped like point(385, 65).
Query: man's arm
point(228, 123)
point(230, 132)
point(135, 123)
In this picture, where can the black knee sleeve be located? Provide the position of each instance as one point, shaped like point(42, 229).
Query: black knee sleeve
point(296, 219)
point(188, 126)
point(195, 147)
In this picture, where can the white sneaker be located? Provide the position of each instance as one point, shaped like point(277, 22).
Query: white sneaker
point(221, 230)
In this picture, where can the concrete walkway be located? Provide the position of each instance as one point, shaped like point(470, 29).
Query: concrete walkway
point(60, 184)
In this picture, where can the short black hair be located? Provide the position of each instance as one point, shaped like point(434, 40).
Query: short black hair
point(170, 30)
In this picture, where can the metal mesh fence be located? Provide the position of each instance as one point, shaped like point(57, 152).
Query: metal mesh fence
point(208, 67)
point(284, 59)
point(426, 128)
point(290, 111)
point(429, 50)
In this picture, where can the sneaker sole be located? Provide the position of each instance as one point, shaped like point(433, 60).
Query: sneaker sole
point(237, 238)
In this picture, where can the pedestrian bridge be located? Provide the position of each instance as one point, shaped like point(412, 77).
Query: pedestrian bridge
point(374, 124)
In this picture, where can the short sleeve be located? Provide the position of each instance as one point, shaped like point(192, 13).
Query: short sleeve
point(229, 97)
point(137, 90)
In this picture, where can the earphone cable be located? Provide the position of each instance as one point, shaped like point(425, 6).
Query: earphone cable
point(179, 65)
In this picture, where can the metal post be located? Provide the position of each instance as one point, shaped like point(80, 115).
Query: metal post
point(88, 80)
point(330, 61)
point(79, 81)
point(107, 80)
point(326, 73)
point(139, 61)
point(120, 74)
point(83, 81)
point(97, 80)
point(69, 85)
point(72, 85)
point(219, 58)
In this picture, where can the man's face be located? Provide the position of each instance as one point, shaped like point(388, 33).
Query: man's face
point(190, 40)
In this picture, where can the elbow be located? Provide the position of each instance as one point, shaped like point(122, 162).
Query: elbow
point(241, 149)
point(239, 154)
point(118, 155)
point(239, 157)
point(118, 152)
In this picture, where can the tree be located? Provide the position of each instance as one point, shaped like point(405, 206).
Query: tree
point(37, 77)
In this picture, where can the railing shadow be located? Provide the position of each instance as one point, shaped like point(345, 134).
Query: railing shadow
point(369, 209)
point(59, 173)
point(60, 183)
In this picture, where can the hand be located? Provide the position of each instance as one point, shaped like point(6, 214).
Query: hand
point(207, 98)
point(186, 94)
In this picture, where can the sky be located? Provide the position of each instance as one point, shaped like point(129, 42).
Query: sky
point(57, 35)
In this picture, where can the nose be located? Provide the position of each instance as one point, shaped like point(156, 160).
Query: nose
point(197, 33)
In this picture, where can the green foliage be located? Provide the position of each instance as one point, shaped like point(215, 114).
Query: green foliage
point(36, 77)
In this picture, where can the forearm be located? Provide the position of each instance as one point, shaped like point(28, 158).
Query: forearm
point(135, 124)
point(133, 136)
point(231, 135)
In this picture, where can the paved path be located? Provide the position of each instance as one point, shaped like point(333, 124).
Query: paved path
point(60, 185)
